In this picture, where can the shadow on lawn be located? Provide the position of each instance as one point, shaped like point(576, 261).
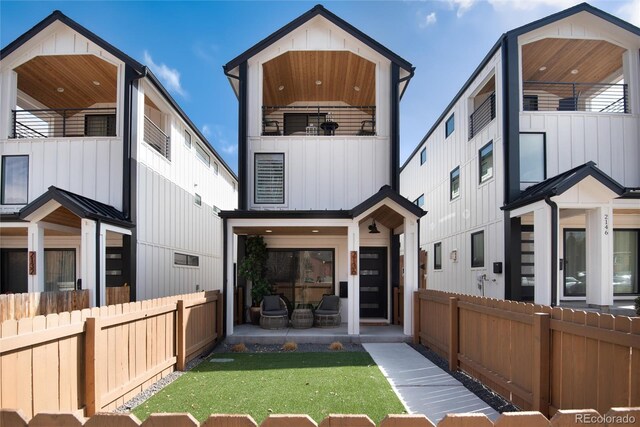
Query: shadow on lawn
point(266, 361)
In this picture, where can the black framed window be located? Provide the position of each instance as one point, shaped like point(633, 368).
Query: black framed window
point(454, 183)
point(423, 156)
point(485, 157)
point(202, 154)
point(450, 126)
point(530, 103)
point(186, 260)
point(533, 167)
point(302, 276)
point(269, 178)
point(437, 256)
point(100, 125)
point(197, 199)
point(626, 259)
point(15, 180)
point(419, 201)
point(477, 249)
point(575, 262)
point(216, 168)
point(59, 270)
point(187, 138)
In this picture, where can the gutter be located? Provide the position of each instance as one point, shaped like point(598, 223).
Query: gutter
point(407, 79)
point(554, 249)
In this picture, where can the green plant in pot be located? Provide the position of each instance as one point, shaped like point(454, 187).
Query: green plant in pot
point(253, 268)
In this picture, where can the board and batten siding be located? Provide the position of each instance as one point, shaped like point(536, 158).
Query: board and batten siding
point(324, 172)
point(452, 222)
point(169, 221)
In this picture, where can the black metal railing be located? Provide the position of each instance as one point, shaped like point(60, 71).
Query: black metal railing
point(62, 123)
point(314, 120)
point(573, 96)
point(482, 115)
point(155, 137)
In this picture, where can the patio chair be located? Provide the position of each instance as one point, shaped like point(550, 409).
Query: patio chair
point(327, 315)
point(367, 128)
point(267, 128)
point(273, 313)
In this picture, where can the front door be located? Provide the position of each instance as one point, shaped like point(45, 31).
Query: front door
point(373, 283)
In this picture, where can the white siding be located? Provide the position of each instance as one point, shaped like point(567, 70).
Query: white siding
point(477, 209)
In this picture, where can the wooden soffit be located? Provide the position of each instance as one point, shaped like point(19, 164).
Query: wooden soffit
point(595, 60)
point(291, 231)
point(63, 216)
point(385, 216)
point(41, 77)
point(344, 77)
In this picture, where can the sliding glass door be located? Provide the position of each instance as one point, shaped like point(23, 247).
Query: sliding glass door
point(625, 261)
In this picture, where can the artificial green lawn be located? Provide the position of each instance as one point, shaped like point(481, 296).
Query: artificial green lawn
point(259, 384)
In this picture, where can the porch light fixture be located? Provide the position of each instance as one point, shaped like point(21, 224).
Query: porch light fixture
point(281, 88)
point(356, 88)
point(60, 89)
point(543, 68)
point(574, 71)
point(318, 82)
point(373, 229)
point(96, 83)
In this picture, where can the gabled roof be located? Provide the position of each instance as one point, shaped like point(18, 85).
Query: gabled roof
point(582, 7)
point(141, 69)
point(386, 192)
point(560, 183)
point(81, 206)
point(318, 10)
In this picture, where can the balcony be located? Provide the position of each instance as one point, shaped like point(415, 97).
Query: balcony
point(319, 120)
point(482, 115)
point(156, 138)
point(575, 96)
point(63, 123)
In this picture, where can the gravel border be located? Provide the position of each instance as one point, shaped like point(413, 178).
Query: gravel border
point(487, 395)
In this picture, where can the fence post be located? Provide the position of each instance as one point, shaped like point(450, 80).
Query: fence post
point(91, 352)
point(416, 317)
point(453, 334)
point(219, 316)
point(182, 339)
point(541, 360)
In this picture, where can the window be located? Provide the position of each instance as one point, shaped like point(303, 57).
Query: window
point(423, 156)
point(216, 210)
point(450, 126)
point(575, 262)
point(454, 183)
point(216, 168)
point(303, 276)
point(530, 103)
point(187, 139)
point(100, 125)
point(203, 155)
point(15, 180)
point(269, 178)
point(198, 199)
point(437, 256)
point(186, 260)
point(486, 162)
point(626, 259)
point(477, 249)
point(532, 159)
point(419, 201)
point(59, 270)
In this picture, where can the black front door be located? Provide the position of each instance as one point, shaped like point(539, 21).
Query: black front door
point(373, 282)
point(13, 271)
point(115, 267)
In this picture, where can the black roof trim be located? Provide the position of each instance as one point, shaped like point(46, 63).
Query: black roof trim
point(386, 192)
point(81, 206)
point(582, 7)
point(631, 193)
point(562, 182)
point(11, 217)
point(330, 16)
point(56, 15)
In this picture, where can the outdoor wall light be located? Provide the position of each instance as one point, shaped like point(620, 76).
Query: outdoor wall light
point(373, 229)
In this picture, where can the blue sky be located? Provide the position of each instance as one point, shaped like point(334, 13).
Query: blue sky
point(186, 44)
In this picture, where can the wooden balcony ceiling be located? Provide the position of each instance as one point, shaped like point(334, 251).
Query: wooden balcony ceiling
point(41, 77)
point(385, 216)
point(595, 60)
point(63, 216)
point(344, 76)
point(291, 231)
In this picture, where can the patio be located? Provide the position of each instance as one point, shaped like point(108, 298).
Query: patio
point(368, 334)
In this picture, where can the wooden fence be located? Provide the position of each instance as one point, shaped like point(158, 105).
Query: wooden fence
point(20, 306)
point(539, 357)
point(96, 359)
point(615, 417)
point(118, 295)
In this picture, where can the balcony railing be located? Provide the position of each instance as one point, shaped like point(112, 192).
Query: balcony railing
point(572, 96)
point(314, 120)
point(482, 115)
point(155, 137)
point(63, 123)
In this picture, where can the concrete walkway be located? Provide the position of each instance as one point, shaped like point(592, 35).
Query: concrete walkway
point(422, 386)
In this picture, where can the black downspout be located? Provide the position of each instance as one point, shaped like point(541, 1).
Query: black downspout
point(242, 136)
point(395, 127)
point(225, 286)
point(554, 249)
point(98, 226)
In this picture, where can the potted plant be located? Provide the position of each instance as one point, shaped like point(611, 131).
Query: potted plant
point(253, 268)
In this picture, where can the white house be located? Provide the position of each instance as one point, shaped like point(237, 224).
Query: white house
point(105, 180)
point(531, 175)
point(318, 168)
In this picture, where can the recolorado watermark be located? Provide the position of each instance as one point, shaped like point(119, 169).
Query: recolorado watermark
point(605, 419)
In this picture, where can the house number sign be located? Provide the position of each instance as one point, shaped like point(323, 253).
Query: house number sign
point(354, 263)
point(606, 224)
point(32, 263)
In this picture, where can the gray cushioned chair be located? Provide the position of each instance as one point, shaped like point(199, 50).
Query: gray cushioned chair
point(273, 313)
point(327, 315)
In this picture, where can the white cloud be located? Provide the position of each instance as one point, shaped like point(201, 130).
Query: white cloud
point(532, 4)
point(206, 130)
point(217, 137)
point(462, 6)
point(170, 77)
point(426, 20)
point(631, 12)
